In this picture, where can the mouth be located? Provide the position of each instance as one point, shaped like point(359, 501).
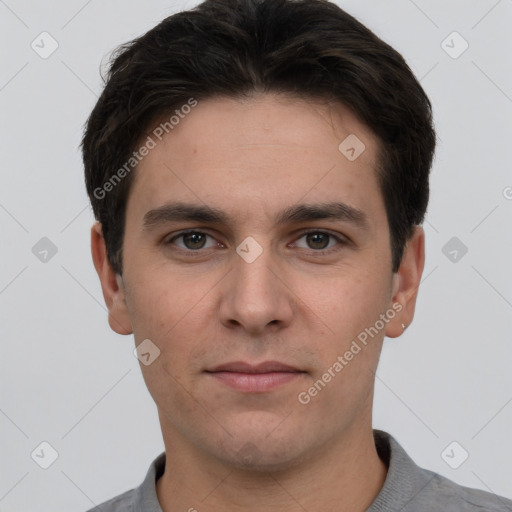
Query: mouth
point(258, 378)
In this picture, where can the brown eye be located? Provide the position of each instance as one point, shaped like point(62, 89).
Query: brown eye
point(318, 240)
point(194, 240)
point(191, 240)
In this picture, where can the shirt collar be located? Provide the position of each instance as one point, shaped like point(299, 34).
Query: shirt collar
point(404, 478)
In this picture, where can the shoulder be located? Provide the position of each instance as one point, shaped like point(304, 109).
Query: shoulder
point(410, 488)
point(144, 497)
point(121, 503)
point(442, 494)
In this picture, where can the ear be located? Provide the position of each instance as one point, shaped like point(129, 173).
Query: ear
point(406, 282)
point(111, 284)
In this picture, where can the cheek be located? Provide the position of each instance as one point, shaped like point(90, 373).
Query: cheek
point(177, 312)
point(161, 300)
point(350, 307)
point(348, 300)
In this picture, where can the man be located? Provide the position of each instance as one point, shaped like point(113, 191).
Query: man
point(259, 173)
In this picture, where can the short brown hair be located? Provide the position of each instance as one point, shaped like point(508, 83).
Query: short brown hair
point(305, 48)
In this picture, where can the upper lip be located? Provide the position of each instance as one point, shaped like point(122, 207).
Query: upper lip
point(243, 367)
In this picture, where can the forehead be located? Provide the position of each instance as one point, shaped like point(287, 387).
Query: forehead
point(260, 154)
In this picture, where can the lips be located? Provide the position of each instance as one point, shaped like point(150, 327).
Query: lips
point(265, 367)
point(257, 378)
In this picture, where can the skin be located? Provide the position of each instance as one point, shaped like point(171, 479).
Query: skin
point(252, 158)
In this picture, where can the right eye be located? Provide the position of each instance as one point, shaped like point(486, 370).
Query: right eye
point(192, 240)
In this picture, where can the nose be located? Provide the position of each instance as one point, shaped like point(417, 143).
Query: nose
point(255, 296)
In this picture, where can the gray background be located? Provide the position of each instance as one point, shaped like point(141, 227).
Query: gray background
point(66, 379)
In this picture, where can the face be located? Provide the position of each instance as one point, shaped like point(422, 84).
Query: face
point(254, 244)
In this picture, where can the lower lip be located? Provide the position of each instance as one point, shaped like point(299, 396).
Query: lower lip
point(255, 382)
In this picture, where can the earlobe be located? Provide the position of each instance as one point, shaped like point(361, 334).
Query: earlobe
point(406, 282)
point(111, 284)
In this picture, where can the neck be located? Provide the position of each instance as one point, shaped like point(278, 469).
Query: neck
point(345, 475)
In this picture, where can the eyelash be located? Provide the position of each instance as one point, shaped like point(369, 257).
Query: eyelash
point(318, 252)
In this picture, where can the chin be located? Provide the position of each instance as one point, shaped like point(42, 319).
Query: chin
point(254, 459)
point(263, 450)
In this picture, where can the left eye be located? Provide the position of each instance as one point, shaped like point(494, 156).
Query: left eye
point(318, 240)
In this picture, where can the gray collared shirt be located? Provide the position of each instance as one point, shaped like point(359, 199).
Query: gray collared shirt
point(408, 488)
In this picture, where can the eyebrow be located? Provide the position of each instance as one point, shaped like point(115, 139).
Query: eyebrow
point(179, 212)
